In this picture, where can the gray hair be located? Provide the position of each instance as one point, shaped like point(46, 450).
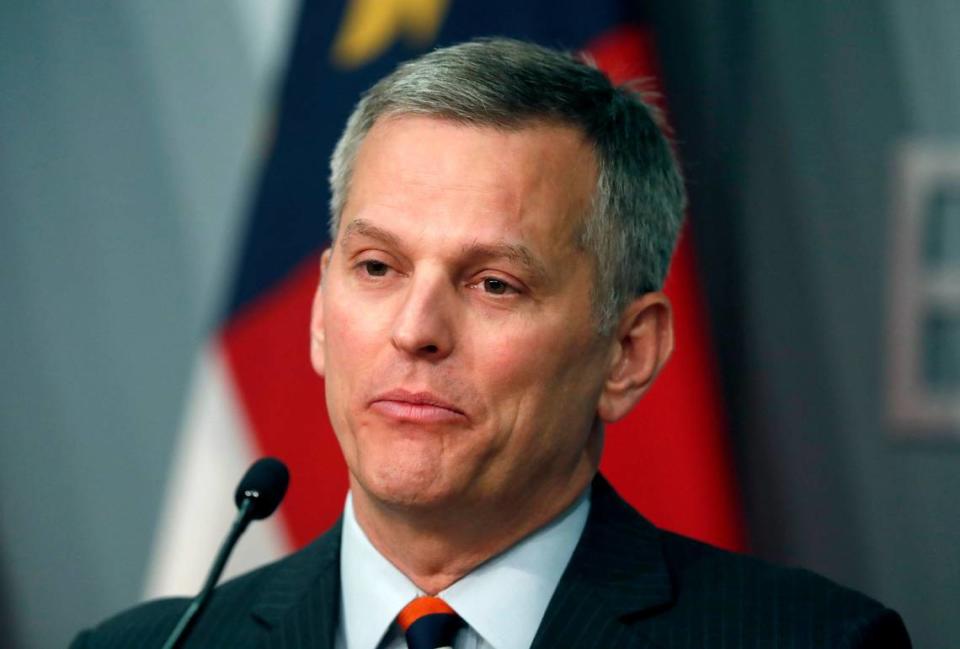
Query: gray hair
point(637, 208)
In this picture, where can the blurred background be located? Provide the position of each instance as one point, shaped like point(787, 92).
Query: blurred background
point(162, 202)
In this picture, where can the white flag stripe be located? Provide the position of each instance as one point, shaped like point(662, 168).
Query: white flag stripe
point(214, 450)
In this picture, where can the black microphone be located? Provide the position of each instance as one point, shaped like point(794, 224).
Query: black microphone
point(257, 496)
point(263, 485)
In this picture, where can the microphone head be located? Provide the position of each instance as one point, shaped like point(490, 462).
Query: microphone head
point(264, 483)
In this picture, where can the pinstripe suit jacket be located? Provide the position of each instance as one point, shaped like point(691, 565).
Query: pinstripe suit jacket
point(628, 584)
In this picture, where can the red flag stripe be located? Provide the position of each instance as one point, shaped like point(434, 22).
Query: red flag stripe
point(267, 347)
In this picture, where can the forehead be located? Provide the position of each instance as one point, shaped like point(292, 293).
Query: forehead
point(432, 170)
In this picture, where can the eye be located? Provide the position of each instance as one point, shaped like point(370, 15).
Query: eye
point(375, 268)
point(496, 286)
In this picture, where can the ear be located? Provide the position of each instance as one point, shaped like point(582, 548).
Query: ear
point(316, 320)
point(643, 342)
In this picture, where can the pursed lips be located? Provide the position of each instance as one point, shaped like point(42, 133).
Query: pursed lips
point(416, 407)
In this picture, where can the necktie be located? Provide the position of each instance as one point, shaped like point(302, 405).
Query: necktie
point(429, 623)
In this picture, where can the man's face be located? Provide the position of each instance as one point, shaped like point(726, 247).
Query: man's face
point(454, 322)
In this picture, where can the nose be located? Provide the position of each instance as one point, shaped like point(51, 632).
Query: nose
point(424, 324)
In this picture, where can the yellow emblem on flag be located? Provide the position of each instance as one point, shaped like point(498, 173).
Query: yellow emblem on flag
point(370, 26)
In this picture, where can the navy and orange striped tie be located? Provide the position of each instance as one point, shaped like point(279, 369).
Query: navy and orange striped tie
point(429, 623)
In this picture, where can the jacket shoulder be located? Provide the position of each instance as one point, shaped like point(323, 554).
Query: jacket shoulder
point(152, 621)
point(226, 620)
point(775, 605)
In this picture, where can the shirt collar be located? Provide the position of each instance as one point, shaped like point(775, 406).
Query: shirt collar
point(503, 600)
point(373, 591)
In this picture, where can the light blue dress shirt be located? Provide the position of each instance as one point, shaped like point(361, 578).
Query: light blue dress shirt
point(502, 601)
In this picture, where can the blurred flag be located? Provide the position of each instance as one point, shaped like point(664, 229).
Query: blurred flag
point(254, 391)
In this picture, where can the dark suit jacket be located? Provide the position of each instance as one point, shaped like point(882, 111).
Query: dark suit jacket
point(628, 584)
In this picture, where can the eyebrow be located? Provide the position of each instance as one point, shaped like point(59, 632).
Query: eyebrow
point(360, 227)
point(514, 252)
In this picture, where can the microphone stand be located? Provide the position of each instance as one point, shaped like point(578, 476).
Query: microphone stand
point(198, 603)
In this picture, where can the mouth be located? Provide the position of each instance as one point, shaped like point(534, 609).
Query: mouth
point(416, 407)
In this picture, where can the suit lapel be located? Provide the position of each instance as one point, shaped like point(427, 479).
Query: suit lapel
point(617, 574)
point(300, 606)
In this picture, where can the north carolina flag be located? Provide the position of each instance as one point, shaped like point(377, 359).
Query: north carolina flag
point(254, 390)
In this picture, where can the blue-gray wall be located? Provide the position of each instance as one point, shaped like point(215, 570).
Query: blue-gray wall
point(791, 117)
point(128, 136)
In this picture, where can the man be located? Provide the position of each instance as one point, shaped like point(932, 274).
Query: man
point(502, 221)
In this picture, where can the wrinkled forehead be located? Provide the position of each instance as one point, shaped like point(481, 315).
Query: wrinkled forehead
point(414, 162)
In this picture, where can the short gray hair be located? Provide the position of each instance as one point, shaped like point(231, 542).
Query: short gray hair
point(639, 200)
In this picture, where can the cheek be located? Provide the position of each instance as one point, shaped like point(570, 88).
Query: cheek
point(348, 337)
point(545, 373)
point(348, 352)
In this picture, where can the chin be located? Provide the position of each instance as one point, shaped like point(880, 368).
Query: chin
point(406, 482)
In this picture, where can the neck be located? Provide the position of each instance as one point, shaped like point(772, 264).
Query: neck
point(435, 547)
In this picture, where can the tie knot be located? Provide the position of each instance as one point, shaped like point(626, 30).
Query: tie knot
point(429, 623)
